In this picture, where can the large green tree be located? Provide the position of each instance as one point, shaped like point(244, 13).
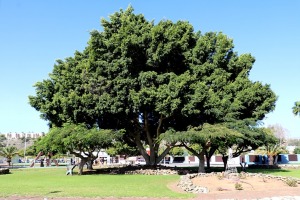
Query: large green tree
point(147, 78)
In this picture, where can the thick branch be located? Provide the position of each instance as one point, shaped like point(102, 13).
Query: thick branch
point(166, 151)
point(191, 150)
point(158, 130)
point(147, 129)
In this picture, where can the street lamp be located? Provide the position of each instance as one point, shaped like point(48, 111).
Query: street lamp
point(25, 151)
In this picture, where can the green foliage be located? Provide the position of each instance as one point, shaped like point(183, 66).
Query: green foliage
point(177, 151)
point(271, 146)
point(76, 139)
point(296, 108)
point(119, 148)
point(297, 150)
point(2, 139)
point(149, 78)
point(35, 148)
point(8, 152)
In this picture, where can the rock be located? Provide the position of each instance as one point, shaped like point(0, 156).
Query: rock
point(4, 171)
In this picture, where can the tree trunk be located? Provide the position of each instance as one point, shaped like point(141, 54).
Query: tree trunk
point(276, 160)
point(90, 164)
point(81, 165)
point(207, 159)
point(209, 154)
point(271, 160)
point(201, 157)
point(225, 160)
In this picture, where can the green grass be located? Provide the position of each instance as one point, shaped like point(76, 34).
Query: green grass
point(52, 182)
point(278, 172)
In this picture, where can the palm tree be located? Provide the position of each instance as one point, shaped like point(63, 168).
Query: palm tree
point(296, 108)
point(8, 152)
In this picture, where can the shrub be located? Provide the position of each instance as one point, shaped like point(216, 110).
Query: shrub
point(242, 175)
point(291, 182)
point(297, 150)
point(220, 176)
point(238, 186)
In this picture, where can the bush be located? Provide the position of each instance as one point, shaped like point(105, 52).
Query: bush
point(291, 182)
point(238, 186)
point(297, 150)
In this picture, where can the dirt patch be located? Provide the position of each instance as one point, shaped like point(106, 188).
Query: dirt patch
point(252, 187)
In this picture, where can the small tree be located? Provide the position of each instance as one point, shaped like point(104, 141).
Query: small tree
point(199, 140)
point(280, 133)
point(8, 152)
point(78, 140)
point(297, 150)
point(271, 147)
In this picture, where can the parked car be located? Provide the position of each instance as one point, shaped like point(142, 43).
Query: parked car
point(140, 161)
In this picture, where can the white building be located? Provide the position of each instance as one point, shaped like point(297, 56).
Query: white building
point(15, 135)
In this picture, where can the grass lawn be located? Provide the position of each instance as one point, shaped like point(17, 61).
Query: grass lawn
point(278, 172)
point(52, 182)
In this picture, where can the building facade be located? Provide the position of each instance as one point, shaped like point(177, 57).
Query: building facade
point(15, 135)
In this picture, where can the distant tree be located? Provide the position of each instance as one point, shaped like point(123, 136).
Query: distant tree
point(121, 148)
point(35, 148)
point(272, 147)
point(2, 139)
point(149, 78)
point(23, 139)
point(78, 140)
point(297, 150)
point(8, 152)
point(293, 142)
point(296, 108)
point(177, 151)
point(279, 132)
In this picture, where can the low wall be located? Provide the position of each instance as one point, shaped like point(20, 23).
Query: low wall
point(252, 159)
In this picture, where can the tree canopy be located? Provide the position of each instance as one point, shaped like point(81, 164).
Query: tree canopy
point(296, 108)
point(78, 140)
point(147, 78)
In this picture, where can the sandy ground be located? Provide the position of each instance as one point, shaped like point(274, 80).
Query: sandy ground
point(253, 188)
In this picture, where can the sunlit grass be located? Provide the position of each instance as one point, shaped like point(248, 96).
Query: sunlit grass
point(52, 182)
point(278, 172)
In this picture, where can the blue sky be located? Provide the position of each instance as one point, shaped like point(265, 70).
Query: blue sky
point(34, 33)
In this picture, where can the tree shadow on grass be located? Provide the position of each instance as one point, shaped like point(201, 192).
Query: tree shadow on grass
point(54, 192)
